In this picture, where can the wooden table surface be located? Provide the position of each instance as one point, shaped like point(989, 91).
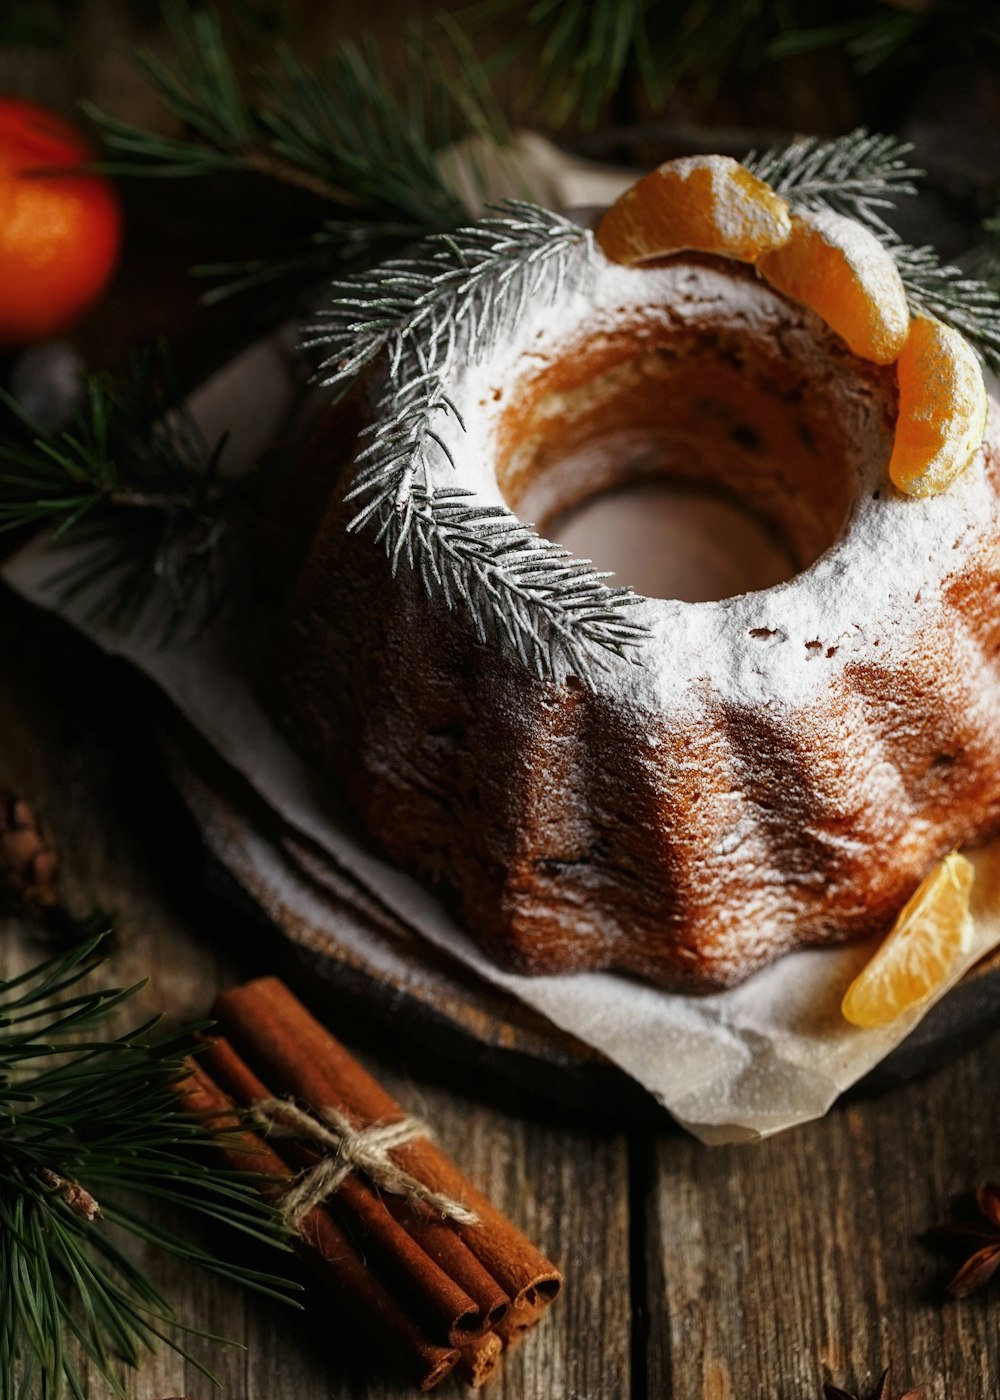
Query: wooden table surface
point(725, 1274)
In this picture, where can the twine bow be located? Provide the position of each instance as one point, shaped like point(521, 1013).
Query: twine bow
point(350, 1149)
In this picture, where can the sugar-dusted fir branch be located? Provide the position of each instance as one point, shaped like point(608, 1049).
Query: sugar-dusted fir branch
point(138, 489)
point(860, 175)
point(91, 1132)
point(554, 611)
point(449, 303)
point(969, 304)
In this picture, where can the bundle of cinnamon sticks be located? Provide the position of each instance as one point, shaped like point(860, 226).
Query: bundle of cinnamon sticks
point(440, 1293)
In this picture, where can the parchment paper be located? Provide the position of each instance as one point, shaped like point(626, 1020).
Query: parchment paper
point(733, 1066)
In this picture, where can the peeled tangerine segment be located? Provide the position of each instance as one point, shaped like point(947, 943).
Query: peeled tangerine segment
point(942, 409)
point(919, 954)
point(840, 270)
point(708, 203)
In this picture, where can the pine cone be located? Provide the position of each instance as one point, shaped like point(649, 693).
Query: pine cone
point(28, 860)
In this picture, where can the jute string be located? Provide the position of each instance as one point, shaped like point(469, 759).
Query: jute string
point(348, 1149)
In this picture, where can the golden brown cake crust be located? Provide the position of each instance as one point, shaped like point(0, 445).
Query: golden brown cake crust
point(689, 823)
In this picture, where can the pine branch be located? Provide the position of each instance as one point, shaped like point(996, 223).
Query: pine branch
point(969, 304)
point(587, 51)
point(334, 129)
point(583, 49)
point(82, 1119)
point(552, 610)
point(134, 484)
point(859, 175)
point(449, 304)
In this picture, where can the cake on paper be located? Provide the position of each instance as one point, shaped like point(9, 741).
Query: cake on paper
point(682, 791)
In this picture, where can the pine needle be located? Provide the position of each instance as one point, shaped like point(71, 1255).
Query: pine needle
point(587, 52)
point(134, 486)
point(363, 144)
point(860, 175)
point(450, 303)
point(84, 1117)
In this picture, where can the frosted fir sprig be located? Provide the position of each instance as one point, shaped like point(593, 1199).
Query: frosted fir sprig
point(446, 306)
point(938, 289)
point(859, 175)
point(551, 609)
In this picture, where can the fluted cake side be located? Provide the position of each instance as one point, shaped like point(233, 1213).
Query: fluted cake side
point(774, 770)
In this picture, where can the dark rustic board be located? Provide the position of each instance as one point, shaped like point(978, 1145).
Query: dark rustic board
point(774, 1268)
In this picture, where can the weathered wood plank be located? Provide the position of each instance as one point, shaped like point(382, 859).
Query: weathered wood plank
point(776, 1267)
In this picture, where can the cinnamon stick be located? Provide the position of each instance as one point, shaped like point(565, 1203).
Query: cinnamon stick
point(480, 1359)
point(442, 1243)
point(324, 1246)
point(415, 1279)
point(294, 1053)
point(512, 1328)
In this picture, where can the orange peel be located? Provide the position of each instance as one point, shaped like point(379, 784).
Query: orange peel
point(920, 952)
point(710, 204)
point(842, 272)
point(942, 409)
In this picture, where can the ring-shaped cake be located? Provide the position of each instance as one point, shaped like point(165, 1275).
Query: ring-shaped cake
point(764, 772)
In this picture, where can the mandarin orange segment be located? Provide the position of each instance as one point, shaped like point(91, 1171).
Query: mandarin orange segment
point(840, 270)
point(942, 409)
point(917, 957)
point(711, 204)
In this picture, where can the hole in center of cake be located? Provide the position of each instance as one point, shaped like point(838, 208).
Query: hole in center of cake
point(695, 462)
point(673, 541)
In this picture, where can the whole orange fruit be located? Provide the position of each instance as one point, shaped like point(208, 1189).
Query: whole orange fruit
point(60, 230)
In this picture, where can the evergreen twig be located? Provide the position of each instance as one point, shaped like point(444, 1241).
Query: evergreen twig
point(82, 1120)
point(860, 175)
point(582, 50)
point(969, 304)
point(551, 609)
point(135, 484)
point(450, 303)
point(334, 129)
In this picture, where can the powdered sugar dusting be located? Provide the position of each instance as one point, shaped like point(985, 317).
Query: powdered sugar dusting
point(860, 589)
point(865, 254)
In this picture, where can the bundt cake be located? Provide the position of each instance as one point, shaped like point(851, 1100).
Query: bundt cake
point(759, 773)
